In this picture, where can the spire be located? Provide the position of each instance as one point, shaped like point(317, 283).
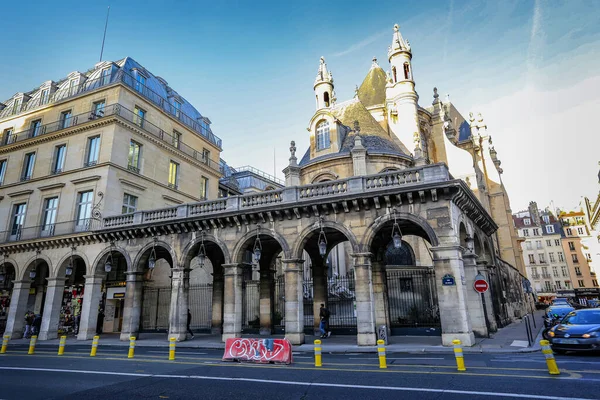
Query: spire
point(323, 75)
point(398, 43)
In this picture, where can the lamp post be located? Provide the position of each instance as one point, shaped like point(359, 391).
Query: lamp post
point(32, 273)
point(322, 240)
point(396, 232)
point(70, 266)
point(257, 251)
point(152, 258)
point(202, 251)
point(109, 259)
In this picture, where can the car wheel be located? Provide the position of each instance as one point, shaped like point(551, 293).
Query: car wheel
point(545, 334)
point(559, 351)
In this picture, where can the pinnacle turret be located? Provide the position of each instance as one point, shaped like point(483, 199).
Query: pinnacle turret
point(398, 43)
point(323, 75)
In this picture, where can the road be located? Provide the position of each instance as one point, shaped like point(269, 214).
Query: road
point(201, 374)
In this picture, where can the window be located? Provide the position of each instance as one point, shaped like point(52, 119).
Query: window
point(205, 155)
point(93, 150)
point(323, 135)
point(73, 86)
point(133, 160)
point(549, 243)
point(569, 231)
point(581, 283)
point(8, 136)
point(140, 82)
point(49, 219)
point(588, 256)
point(595, 282)
point(561, 258)
point(580, 231)
point(557, 242)
point(176, 140)
point(546, 219)
point(529, 245)
point(538, 244)
point(406, 71)
point(177, 108)
point(2, 170)
point(18, 219)
point(173, 174)
point(527, 221)
point(129, 203)
point(542, 258)
point(567, 284)
point(555, 271)
point(564, 271)
point(44, 96)
point(84, 208)
point(578, 271)
point(550, 228)
point(525, 232)
point(98, 109)
point(531, 259)
point(558, 285)
point(394, 74)
point(28, 164)
point(35, 127)
point(572, 246)
point(575, 259)
point(536, 231)
point(17, 106)
point(545, 272)
point(59, 158)
point(65, 119)
point(203, 187)
point(138, 116)
point(105, 76)
point(326, 99)
point(552, 259)
point(548, 286)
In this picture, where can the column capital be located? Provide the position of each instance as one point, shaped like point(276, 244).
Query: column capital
point(293, 265)
point(231, 269)
point(21, 282)
point(362, 259)
point(93, 277)
point(293, 261)
point(56, 281)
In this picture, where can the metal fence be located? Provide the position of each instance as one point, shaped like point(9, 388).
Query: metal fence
point(279, 306)
point(156, 305)
point(340, 302)
point(250, 305)
point(200, 304)
point(412, 301)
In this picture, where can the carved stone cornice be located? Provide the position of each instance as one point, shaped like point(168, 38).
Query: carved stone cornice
point(466, 201)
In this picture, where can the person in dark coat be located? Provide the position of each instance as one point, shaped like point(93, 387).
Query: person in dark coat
point(37, 323)
point(189, 321)
point(100, 322)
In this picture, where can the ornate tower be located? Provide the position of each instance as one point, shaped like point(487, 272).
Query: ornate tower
point(401, 97)
point(324, 87)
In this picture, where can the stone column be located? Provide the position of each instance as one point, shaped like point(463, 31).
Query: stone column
point(379, 294)
point(52, 308)
point(265, 290)
point(319, 292)
point(294, 301)
point(15, 323)
point(365, 304)
point(217, 305)
point(180, 285)
point(474, 304)
point(232, 304)
point(39, 299)
point(452, 300)
point(132, 311)
point(92, 294)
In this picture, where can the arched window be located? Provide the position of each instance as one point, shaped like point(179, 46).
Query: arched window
point(404, 256)
point(323, 135)
point(326, 99)
point(406, 71)
point(394, 74)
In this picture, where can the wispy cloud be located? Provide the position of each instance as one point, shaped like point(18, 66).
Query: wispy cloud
point(362, 43)
point(449, 19)
point(536, 40)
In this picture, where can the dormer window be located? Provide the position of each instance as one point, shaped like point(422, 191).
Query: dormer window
point(73, 86)
point(527, 221)
point(140, 82)
point(105, 76)
point(406, 71)
point(17, 105)
point(177, 108)
point(323, 141)
point(44, 96)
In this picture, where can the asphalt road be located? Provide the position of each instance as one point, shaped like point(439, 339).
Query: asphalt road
point(201, 374)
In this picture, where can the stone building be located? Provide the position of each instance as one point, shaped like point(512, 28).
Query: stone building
point(383, 178)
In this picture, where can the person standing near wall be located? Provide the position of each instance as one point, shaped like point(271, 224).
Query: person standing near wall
point(189, 322)
point(324, 324)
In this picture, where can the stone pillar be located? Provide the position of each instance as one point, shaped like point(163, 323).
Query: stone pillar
point(452, 299)
point(365, 304)
point(178, 312)
point(482, 267)
point(292, 171)
point(132, 311)
point(294, 301)
point(380, 296)
point(319, 292)
point(217, 305)
point(265, 302)
point(92, 294)
point(474, 304)
point(39, 299)
point(15, 323)
point(232, 304)
point(52, 308)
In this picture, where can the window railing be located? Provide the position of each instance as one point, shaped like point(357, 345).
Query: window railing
point(546, 276)
point(133, 168)
point(49, 230)
point(173, 186)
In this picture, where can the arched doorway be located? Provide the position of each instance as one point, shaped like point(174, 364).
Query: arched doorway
point(7, 277)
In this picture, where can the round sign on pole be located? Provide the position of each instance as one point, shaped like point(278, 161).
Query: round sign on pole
point(481, 286)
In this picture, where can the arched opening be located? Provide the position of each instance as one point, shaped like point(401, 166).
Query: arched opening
point(323, 139)
point(7, 278)
point(38, 271)
point(73, 269)
point(406, 71)
point(404, 277)
point(394, 74)
point(326, 99)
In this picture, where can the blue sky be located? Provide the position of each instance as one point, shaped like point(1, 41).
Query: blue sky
point(529, 66)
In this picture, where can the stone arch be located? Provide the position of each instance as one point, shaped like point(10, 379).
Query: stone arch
point(307, 232)
point(31, 261)
point(240, 246)
point(477, 244)
point(188, 255)
point(462, 234)
point(100, 259)
point(61, 264)
point(325, 176)
point(9, 265)
point(163, 250)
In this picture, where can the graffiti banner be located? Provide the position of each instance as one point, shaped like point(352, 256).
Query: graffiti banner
point(258, 350)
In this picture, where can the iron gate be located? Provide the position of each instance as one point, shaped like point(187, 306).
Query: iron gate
point(156, 304)
point(279, 306)
point(340, 302)
point(200, 304)
point(412, 301)
point(250, 305)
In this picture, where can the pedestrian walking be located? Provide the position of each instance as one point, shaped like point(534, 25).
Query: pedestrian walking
point(37, 323)
point(189, 322)
point(100, 322)
point(324, 324)
point(28, 324)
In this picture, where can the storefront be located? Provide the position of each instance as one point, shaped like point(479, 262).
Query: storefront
point(583, 295)
point(113, 301)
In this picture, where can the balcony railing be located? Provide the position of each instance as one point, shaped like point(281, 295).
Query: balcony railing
point(546, 276)
point(129, 81)
point(49, 230)
point(535, 276)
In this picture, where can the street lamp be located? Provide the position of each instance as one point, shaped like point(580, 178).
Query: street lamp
point(109, 260)
point(322, 241)
point(257, 245)
point(32, 273)
point(69, 269)
point(396, 232)
point(202, 251)
point(152, 259)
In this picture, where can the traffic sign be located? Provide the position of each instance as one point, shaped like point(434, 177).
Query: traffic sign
point(481, 285)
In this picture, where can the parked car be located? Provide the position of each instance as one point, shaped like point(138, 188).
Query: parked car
point(558, 311)
point(578, 331)
point(560, 300)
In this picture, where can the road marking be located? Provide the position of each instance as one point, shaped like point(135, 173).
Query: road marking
point(558, 360)
point(178, 352)
point(302, 357)
point(296, 383)
point(520, 343)
point(416, 358)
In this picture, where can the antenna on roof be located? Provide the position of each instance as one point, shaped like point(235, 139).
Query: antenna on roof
point(104, 37)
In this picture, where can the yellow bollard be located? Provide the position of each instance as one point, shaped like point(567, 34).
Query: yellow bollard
point(131, 346)
point(61, 345)
point(550, 361)
point(458, 353)
point(94, 346)
point(172, 349)
point(381, 352)
point(32, 344)
point(318, 353)
point(5, 340)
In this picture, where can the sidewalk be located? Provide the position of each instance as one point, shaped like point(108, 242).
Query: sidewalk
point(510, 339)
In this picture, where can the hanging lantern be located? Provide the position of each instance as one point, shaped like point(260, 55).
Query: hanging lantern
point(152, 258)
point(202, 251)
point(69, 270)
point(108, 264)
point(396, 233)
point(257, 246)
point(322, 241)
point(32, 274)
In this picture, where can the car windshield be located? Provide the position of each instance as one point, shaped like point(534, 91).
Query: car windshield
point(560, 310)
point(583, 318)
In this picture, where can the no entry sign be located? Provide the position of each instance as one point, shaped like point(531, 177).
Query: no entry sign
point(481, 285)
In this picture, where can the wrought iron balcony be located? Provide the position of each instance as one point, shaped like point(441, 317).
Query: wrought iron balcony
point(49, 230)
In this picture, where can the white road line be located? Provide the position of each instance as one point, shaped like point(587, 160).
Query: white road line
point(416, 358)
point(295, 383)
point(559, 361)
point(302, 357)
point(178, 352)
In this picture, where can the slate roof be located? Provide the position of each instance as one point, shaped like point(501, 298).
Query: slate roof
point(372, 89)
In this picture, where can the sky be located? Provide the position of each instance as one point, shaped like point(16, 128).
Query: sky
point(530, 68)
